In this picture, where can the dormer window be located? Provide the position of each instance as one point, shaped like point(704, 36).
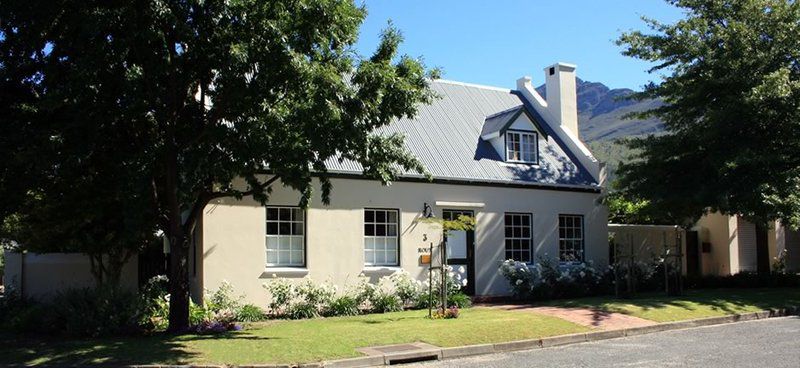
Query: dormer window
point(521, 146)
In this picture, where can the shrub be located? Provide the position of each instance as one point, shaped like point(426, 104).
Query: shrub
point(250, 313)
point(545, 279)
point(406, 287)
point(383, 302)
point(344, 305)
point(222, 298)
point(459, 300)
point(283, 293)
point(303, 310)
point(154, 304)
point(93, 312)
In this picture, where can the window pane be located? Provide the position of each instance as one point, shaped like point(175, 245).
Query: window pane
point(272, 257)
point(297, 243)
point(391, 257)
point(272, 243)
point(272, 214)
point(392, 230)
point(284, 243)
point(284, 228)
point(297, 228)
point(285, 214)
point(380, 216)
point(272, 228)
point(369, 216)
point(369, 243)
point(380, 230)
point(392, 216)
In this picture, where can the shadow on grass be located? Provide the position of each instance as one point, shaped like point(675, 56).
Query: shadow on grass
point(727, 301)
point(724, 300)
point(24, 351)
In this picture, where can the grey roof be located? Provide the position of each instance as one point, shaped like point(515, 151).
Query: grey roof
point(445, 136)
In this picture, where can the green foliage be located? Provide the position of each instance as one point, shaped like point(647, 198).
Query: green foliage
point(106, 123)
point(250, 313)
point(622, 210)
point(732, 112)
point(384, 302)
point(343, 305)
point(222, 298)
point(459, 300)
point(282, 293)
point(462, 223)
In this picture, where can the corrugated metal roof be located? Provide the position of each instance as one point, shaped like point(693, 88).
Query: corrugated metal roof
point(445, 137)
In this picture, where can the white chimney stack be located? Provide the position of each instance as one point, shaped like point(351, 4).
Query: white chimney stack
point(561, 95)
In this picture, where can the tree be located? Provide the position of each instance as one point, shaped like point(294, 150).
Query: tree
point(211, 91)
point(731, 88)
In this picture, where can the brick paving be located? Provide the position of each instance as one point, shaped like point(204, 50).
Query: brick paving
point(583, 316)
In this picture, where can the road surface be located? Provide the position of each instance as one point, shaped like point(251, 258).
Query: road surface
point(770, 343)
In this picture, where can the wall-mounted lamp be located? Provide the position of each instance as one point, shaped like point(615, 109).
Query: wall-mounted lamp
point(427, 211)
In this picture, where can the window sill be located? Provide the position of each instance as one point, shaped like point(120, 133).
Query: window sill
point(532, 164)
point(381, 269)
point(271, 272)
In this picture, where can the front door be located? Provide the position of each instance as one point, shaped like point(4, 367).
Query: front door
point(460, 248)
point(692, 253)
point(762, 249)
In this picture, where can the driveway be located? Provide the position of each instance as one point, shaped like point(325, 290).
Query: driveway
point(770, 343)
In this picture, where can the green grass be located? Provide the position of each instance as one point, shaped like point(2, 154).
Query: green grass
point(694, 304)
point(292, 341)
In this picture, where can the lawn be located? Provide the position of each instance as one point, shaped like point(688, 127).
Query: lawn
point(693, 304)
point(331, 338)
point(291, 341)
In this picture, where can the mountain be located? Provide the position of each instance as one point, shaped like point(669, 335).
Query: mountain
point(601, 121)
point(601, 111)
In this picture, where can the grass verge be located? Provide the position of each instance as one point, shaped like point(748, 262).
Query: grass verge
point(290, 341)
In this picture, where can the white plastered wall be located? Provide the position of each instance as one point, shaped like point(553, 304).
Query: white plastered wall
point(233, 231)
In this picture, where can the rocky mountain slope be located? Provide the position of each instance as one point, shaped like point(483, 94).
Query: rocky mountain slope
point(601, 112)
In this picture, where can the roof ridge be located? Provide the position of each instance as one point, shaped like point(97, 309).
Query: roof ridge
point(465, 84)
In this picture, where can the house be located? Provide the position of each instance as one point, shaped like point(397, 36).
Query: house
point(510, 158)
point(716, 245)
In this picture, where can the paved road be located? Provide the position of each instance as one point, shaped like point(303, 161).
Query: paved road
point(764, 344)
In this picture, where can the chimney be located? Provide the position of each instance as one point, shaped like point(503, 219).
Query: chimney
point(561, 95)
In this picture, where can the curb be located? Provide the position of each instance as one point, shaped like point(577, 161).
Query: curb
point(502, 347)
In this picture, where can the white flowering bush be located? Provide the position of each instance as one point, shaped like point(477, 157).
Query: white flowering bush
point(454, 283)
point(546, 279)
point(308, 299)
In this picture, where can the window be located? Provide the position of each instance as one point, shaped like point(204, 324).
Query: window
point(518, 236)
point(380, 237)
point(285, 241)
point(570, 238)
point(521, 146)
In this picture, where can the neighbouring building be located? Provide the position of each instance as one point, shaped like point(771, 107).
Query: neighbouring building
point(717, 244)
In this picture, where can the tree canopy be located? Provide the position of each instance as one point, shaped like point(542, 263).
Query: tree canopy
point(731, 87)
point(178, 98)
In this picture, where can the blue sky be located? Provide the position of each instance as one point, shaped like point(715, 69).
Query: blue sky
point(496, 42)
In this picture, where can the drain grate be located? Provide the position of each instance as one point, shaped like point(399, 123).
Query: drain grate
point(404, 353)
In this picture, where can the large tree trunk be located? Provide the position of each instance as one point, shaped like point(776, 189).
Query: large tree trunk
point(179, 270)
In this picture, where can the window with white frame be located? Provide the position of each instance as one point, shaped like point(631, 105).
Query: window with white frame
point(380, 237)
point(285, 239)
point(518, 236)
point(521, 146)
point(570, 238)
